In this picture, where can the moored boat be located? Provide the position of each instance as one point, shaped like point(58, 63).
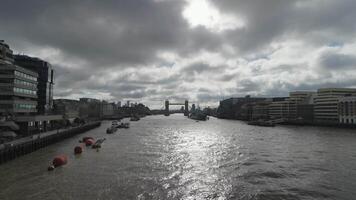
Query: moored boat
point(134, 118)
point(261, 123)
point(198, 115)
point(111, 130)
point(124, 125)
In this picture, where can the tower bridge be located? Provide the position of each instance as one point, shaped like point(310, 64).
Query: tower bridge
point(185, 104)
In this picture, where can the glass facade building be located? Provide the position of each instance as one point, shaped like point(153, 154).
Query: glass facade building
point(18, 90)
point(45, 80)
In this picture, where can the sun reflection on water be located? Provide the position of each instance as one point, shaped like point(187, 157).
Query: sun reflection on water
point(195, 161)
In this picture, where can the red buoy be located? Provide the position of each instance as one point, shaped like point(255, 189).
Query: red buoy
point(78, 150)
point(89, 142)
point(87, 138)
point(60, 160)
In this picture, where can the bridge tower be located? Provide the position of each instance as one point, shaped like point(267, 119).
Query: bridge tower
point(186, 109)
point(166, 108)
point(185, 104)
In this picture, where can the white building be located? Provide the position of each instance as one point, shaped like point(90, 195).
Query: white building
point(279, 109)
point(347, 110)
point(326, 104)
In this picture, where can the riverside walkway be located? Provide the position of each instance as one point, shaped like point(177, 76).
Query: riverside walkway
point(22, 146)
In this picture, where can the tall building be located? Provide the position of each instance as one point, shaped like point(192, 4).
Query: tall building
point(18, 86)
point(45, 80)
point(326, 104)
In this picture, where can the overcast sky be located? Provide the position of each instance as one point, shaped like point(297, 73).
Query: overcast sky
point(201, 50)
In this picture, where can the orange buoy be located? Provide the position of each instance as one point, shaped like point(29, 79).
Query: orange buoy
point(87, 138)
point(78, 150)
point(60, 160)
point(89, 142)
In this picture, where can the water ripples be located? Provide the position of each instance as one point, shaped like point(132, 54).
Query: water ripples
point(177, 158)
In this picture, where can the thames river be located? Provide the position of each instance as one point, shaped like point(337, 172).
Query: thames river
point(178, 158)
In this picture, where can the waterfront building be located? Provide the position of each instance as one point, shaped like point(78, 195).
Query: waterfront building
point(301, 106)
point(347, 110)
point(18, 86)
point(326, 104)
point(18, 90)
point(107, 109)
point(19, 95)
point(260, 110)
point(68, 108)
point(45, 80)
point(90, 108)
point(233, 108)
point(279, 109)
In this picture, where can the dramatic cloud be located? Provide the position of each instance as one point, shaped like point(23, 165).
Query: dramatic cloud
point(201, 50)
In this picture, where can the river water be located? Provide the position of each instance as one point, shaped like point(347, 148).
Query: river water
point(177, 158)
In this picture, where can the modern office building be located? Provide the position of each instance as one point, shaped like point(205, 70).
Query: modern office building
point(279, 109)
point(347, 110)
point(45, 80)
point(19, 95)
point(326, 104)
point(18, 90)
point(18, 86)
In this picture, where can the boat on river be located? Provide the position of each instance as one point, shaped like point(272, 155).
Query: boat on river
point(261, 123)
point(198, 115)
point(124, 125)
point(111, 130)
point(98, 143)
point(134, 118)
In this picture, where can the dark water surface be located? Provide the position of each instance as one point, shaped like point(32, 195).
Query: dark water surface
point(177, 158)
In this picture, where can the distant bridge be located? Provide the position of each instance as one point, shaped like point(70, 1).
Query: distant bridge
point(185, 104)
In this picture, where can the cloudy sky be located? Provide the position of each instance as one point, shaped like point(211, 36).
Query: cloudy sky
point(201, 50)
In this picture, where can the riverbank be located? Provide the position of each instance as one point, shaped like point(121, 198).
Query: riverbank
point(22, 146)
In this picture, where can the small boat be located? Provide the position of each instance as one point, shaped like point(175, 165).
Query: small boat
point(134, 118)
point(124, 125)
point(98, 143)
point(261, 123)
point(198, 116)
point(114, 123)
point(111, 130)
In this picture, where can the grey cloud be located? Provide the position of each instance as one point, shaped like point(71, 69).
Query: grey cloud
point(337, 61)
point(126, 37)
point(267, 21)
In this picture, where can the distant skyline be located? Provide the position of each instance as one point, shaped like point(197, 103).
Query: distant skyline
point(201, 50)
